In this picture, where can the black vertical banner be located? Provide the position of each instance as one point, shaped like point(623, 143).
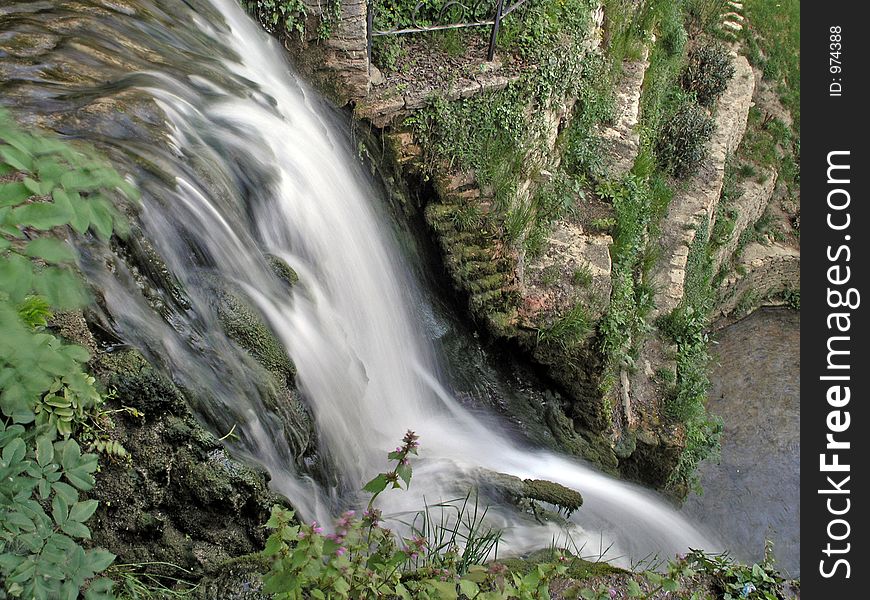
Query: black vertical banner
point(835, 424)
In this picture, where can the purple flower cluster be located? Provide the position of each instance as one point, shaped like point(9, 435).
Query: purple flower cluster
point(315, 529)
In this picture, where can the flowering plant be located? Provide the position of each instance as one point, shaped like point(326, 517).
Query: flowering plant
point(363, 559)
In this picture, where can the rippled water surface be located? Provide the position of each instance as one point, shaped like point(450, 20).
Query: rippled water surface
point(753, 493)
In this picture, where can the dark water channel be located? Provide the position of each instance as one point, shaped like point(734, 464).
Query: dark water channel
point(752, 494)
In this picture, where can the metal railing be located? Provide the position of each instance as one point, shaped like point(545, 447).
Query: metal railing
point(453, 14)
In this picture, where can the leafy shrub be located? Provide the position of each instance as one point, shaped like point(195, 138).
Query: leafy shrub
point(732, 580)
point(45, 395)
point(280, 15)
point(682, 144)
point(708, 70)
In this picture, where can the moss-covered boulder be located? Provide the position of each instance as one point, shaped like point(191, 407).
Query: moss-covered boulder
point(179, 501)
point(525, 493)
point(282, 270)
point(244, 326)
point(552, 493)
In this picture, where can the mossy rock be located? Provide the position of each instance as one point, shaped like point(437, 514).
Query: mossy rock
point(552, 493)
point(245, 327)
point(282, 270)
point(578, 568)
point(592, 447)
point(238, 578)
point(502, 487)
point(181, 504)
point(129, 376)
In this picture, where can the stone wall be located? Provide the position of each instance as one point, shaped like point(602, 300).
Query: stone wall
point(763, 274)
point(750, 204)
point(338, 65)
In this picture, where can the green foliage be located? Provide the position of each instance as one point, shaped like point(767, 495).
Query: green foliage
point(582, 276)
point(536, 28)
point(704, 16)
point(45, 395)
point(467, 216)
point(595, 104)
point(39, 554)
point(401, 472)
point(732, 580)
point(35, 312)
point(629, 26)
point(726, 213)
point(708, 70)
point(362, 559)
point(773, 39)
point(673, 33)
point(135, 582)
point(770, 142)
point(500, 136)
point(284, 16)
point(630, 302)
point(568, 329)
point(387, 51)
point(456, 536)
point(682, 144)
point(792, 299)
point(686, 326)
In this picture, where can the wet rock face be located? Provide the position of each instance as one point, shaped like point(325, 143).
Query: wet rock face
point(180, 498)
point(83, 69)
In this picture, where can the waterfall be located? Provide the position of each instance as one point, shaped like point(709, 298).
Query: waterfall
point(260, 166)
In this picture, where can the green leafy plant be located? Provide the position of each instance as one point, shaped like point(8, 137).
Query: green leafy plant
point(732, 580)
point(682, 144)
point(686, 326)
point(362, 559)
point(40, 556)
point(45, 394)
point(285, 16)
point(708, 70)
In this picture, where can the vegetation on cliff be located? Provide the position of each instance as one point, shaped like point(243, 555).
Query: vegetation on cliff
point(48, 400)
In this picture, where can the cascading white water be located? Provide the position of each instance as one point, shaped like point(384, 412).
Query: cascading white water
point(361, 359)
point(275, 176)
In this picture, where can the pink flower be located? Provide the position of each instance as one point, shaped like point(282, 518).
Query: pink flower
point(341, 551)
point(344, 522)
point(612, 593)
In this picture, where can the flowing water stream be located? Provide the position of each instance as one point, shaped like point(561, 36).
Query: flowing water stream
point(255, 164)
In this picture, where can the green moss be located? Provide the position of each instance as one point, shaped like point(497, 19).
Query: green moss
point(594, 449)
point(553, 493)
point(246, 328)
point(282, 270)
point(239, 578)
point(578, 568)
point(137, 384)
